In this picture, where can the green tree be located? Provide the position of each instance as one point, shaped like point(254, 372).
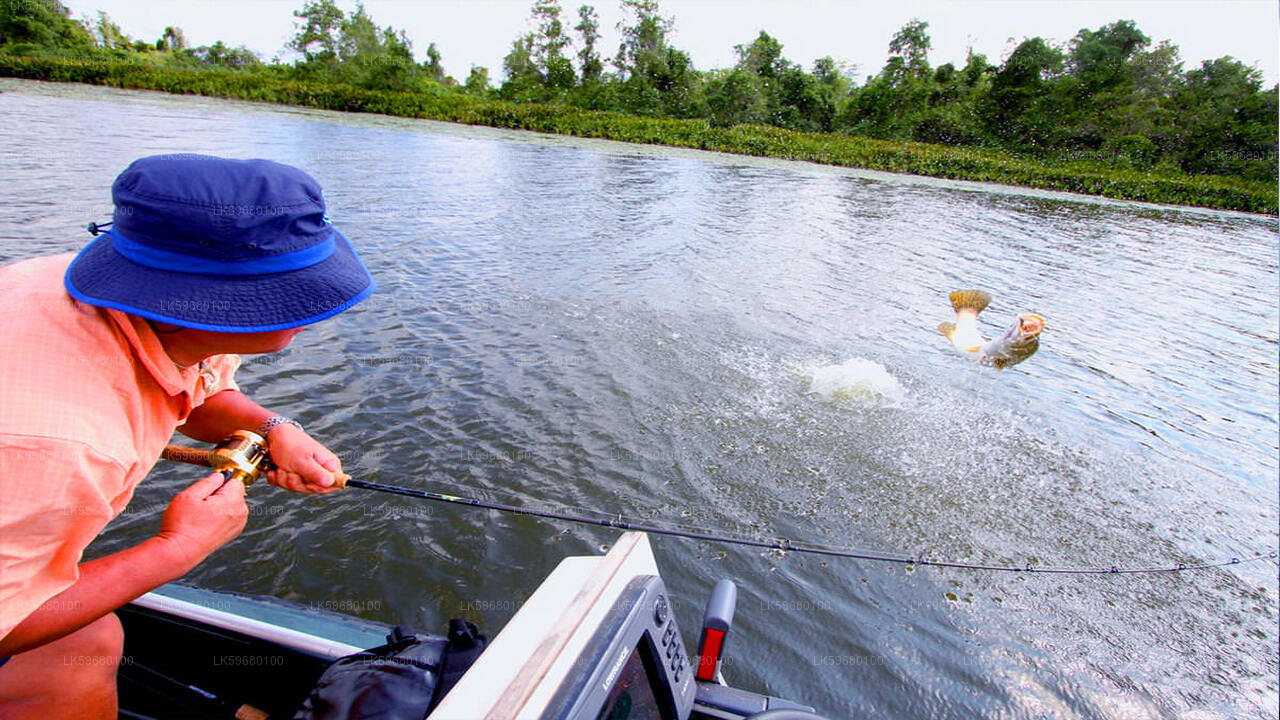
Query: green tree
point(221, 55)
point(108, 35)
point(559, 73)
point(829, 72)
point(976, 69)
point(1228, 124)
point(359, 38)
point(41, 25)
point(791, 98)
point(832, 91)
point(550, 41)
point(803, 102)
point(763, 57)
point(735, 97)
point(1098, 59)
point(172, 40)
point(434, 69)
point(1101, 85)
point(319, 34)
point(1022, 110)
point(590, 65)
point(373, 57)
point(656, 79)
point(522, 78)
point(644, 40)
point(953, 115)
point(909, 53)
point(895, 102)
point(678, 85)
point(477, 82)
point(750, 92)
point(354, 49)
point(1135, 121)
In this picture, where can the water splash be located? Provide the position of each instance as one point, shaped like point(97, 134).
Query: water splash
point(859, 379)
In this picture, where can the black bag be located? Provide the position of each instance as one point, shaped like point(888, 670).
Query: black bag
point(402, 680)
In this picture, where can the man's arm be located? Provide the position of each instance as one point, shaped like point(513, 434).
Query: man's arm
point(104, 585)
point(199, 520)
point(222, 413)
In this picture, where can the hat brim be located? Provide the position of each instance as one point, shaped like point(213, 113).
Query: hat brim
point(102, 277)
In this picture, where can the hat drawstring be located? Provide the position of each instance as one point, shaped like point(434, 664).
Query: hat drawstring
point(95, 228)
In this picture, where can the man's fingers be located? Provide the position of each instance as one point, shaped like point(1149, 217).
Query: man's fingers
point(205, 486)
point(315, 473)
point(230, 489)
point(284, 480)
point(332, 464)
point(295, 482)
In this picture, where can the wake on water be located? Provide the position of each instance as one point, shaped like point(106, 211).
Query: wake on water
point(859, 379)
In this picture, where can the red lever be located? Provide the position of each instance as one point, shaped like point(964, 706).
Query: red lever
point(712, 641)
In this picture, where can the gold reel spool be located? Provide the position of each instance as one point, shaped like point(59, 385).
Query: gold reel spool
point(243, 456)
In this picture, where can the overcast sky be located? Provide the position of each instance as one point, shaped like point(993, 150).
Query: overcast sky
point(480, 32)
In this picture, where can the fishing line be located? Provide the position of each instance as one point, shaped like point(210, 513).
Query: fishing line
point(618, 522)
point(782, 544)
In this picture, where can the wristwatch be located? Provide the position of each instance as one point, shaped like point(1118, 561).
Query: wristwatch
point(274, 421)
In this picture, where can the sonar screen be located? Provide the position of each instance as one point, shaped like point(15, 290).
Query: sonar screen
point(631, 697)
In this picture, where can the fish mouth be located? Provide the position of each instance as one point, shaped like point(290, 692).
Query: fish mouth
point(1030, 324)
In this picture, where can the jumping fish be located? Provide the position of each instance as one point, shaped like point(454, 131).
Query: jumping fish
point(1018, 343)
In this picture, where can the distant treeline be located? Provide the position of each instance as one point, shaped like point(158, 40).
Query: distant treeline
point(1109, 97)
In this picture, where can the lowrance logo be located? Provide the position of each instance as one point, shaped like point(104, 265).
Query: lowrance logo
point(613, 671)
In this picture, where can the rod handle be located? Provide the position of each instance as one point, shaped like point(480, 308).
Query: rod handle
point(189, 455)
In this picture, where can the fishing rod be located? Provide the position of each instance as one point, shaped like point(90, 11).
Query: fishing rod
point(243, 456)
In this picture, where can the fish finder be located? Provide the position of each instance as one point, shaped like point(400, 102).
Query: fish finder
point(598, 640)
point(636, 664)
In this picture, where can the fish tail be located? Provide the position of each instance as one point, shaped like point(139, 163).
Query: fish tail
point(975, 300)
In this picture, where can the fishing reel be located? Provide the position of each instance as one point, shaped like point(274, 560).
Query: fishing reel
point(242, 456)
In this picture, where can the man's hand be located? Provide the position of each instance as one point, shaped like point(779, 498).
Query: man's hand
point(303, 465)
point(203, 518)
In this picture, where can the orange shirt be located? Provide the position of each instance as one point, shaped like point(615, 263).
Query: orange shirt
point(88, 399)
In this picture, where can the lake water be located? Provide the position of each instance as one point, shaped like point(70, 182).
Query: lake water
point(623, 329)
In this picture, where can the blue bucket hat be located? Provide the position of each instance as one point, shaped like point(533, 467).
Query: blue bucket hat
point(216, 244)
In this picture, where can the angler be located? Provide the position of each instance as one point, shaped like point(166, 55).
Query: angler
point(107, 354)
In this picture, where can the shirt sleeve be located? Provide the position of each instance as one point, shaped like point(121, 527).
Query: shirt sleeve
point(54, 500)
point(224, 367)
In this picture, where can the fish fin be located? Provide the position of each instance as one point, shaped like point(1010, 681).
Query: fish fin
point(947, 328)
point(975, 300)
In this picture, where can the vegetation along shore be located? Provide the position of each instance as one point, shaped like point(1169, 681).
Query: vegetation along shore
point(1109, 114)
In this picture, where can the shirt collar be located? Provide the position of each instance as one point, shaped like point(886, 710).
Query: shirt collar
point(150, 352)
